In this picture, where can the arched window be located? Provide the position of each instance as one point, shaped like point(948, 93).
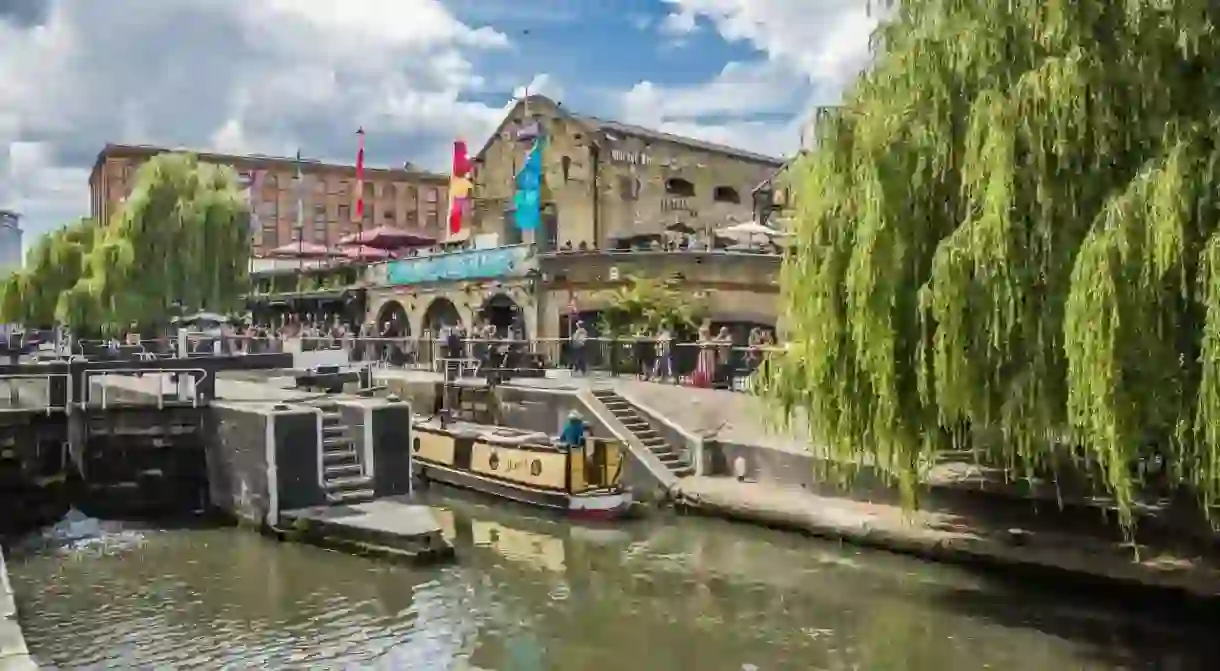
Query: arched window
point(679, 188)
point(726, 194)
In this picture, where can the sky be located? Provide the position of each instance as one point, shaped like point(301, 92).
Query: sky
point(275, 76)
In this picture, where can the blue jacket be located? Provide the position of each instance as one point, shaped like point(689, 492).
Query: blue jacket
point(573, 433)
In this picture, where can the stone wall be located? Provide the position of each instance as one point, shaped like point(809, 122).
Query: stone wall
point(14, 656)
point(603, 180)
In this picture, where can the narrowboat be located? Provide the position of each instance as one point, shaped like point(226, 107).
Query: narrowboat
point(523, 466)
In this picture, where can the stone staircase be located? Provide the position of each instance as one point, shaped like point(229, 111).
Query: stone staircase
point(626, 413)
point(343, 472)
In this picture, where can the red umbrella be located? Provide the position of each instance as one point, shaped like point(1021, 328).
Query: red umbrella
point(387, 237)
point(364, 252)
point(301, 250)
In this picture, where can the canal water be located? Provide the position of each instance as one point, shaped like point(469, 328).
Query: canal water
point(531, 593)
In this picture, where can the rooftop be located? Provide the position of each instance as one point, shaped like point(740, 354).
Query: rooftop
point(146, 150)
point(611, 127)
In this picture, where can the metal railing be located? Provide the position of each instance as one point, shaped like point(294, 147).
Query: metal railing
point(184, 391)
point(705, 364)
point(49, 379)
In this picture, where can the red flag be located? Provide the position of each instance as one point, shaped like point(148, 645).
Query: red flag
point(360, 178)
point(459, 187)
point(461, 162)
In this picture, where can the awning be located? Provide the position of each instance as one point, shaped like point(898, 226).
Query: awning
point(461, 236)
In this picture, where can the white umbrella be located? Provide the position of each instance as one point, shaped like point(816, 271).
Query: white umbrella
point(747, 229)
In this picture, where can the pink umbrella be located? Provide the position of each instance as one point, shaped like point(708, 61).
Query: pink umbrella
point(301, 250)
point(364, 252)
point(388, 237)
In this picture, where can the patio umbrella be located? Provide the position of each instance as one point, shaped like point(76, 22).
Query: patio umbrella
point(301, 250)
point(748, 229)
point(387, 237)
point(680, 227)
point(364, 253)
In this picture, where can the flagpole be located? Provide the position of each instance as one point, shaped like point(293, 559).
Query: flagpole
point(300, 183)
point(360, 195)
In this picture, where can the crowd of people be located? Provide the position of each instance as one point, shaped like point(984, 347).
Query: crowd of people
point(656, 355)
point(705, 358)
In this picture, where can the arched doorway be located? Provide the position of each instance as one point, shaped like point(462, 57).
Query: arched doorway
point(441, 313)
point(393, 313)
point(503, 313)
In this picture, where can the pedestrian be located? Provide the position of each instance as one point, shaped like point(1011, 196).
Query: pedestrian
point(577, 343)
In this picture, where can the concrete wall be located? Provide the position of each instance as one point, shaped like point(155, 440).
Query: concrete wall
point(238, 482)
point(263, 458)
point(793, 469)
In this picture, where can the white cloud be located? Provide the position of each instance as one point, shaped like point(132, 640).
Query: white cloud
point(739, 89)
point(678, 24)
point(273, 75)
point(827, 40)
point(810, 51)
point(542, 84)
point(234, 75)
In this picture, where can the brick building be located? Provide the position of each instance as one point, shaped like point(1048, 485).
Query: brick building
point(606, 180)
point(603, 182)
point(403, 198)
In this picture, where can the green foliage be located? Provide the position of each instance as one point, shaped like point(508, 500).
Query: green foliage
point(52, 266)
point(182, 236)
point(1009, 232)
point(642, 303)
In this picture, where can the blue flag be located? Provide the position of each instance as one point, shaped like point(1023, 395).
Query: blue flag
point(528, 199)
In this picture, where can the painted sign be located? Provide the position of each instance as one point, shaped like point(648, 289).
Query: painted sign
point(629, 157)
point(475, 264)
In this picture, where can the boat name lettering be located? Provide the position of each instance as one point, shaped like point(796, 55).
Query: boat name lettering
point(516, 464)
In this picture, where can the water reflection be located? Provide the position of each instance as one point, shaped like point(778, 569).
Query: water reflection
point(533, 593)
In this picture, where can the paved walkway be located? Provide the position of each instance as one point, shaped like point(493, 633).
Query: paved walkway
point(961, 537)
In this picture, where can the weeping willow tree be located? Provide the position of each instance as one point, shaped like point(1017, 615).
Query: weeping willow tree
point(181, 240)
point(1008, 236)
point(643, 303)
point(52, 266)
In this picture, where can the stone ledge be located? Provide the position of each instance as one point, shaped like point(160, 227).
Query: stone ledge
point(1087, 561)
point(14, 656)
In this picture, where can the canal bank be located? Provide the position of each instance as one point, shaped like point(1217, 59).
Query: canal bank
point(14, 656)
point(747, 471)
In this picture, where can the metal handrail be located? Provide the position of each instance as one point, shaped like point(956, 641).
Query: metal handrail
point(47, 377)
point(87, 395)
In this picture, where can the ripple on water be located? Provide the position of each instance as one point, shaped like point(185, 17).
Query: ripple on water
point(698, 596)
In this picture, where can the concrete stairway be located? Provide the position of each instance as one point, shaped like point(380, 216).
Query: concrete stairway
point(626, 413)
point(343, 472)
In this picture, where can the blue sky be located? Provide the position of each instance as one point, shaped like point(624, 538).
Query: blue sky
point(270, 76)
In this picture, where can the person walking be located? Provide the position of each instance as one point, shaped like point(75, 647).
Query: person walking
point(663, 366)
point(578, 342)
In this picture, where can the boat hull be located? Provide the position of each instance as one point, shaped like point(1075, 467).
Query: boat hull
point(520, 468)
point(591, 507)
